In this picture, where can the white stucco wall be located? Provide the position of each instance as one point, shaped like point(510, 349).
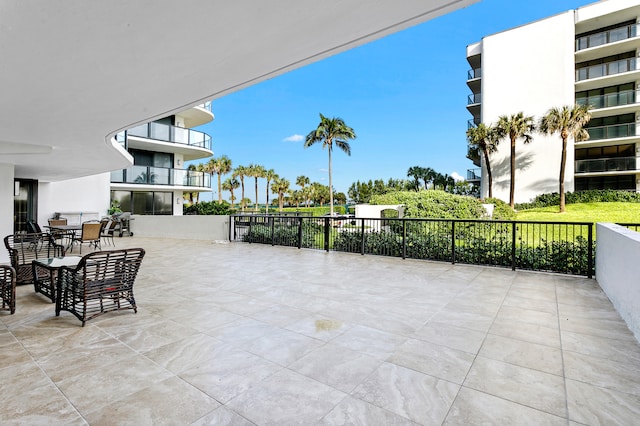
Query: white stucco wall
point(6, 206)
point(372, 211)
point(618, 271)
point(529, 69)
point(192, 227)
point(88, 194)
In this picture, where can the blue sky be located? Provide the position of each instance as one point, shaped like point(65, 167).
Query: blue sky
point(404, 95)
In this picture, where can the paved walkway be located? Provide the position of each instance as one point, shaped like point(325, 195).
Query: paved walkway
point(246, 334)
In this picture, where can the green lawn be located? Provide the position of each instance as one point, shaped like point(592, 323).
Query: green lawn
point(617, 212)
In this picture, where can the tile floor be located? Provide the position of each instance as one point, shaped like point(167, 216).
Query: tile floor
point(243, 334)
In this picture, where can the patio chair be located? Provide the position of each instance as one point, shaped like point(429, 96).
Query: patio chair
point(24, 248)
point(108, 229)
point(33, 227)
point(90, 234)
point(59, 234)
point(8, 288)
point(102, 282)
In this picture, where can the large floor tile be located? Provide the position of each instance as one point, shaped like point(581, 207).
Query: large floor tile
point(352, 411)
point(609, 374)
point(416, 396)
point(373, 342)
point(451, 336)
point(594, 405)
point(524, 354)
point(286, 398)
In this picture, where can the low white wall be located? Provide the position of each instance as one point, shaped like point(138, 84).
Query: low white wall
point(618, 269)
point(189, 227)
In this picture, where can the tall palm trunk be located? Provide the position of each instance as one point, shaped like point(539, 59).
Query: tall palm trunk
point(488, 167)
point(512, 185)
point(563, 160)
point(330, 186)
point(256, 208)
point(242, 199)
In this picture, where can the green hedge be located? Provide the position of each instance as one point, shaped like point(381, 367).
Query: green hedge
point(590, 196)
point(433, 204)
point(208, 208)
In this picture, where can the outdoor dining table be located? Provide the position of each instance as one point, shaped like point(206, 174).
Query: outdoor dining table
point(47, 284)
point(65, 231)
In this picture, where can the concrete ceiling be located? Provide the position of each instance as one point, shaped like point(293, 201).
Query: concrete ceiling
point(75, 72)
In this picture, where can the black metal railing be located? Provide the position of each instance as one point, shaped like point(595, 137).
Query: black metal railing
point(565, 247)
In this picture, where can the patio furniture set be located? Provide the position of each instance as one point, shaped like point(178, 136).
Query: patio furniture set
point(87, 286)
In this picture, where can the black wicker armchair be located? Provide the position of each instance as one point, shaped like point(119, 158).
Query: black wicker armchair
point(25, 248)
point(8, 288)
point(102, 282)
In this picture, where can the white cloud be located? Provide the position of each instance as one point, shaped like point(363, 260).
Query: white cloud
point(294, 138)
point(456, 177)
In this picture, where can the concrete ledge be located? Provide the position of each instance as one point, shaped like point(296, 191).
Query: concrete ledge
point(618, 271)
point(190, 227)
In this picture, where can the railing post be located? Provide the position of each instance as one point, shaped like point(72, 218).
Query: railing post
point(362, 238)
point(590, 252)
point(404, 238)
point(453, 241)
point(273, 227)
point(326, 233)
point(231, 223)
point(513, 245)
point(250, 225)
point(300, 232)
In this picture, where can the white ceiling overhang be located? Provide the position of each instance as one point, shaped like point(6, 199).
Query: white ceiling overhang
point(75, 72)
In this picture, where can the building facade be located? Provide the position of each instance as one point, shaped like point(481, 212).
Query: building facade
point(158, 179)
point(583, 56)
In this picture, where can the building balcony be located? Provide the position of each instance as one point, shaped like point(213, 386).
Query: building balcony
point(474, 175)
point(197, 116)
point(472, 123)
point(606, 37)
point(146, 175)
point(612, 132)
point(474, 98)
point(192, 144)
point(610, 100)
point(474, 73)
point(602, 165)
point(606, 69)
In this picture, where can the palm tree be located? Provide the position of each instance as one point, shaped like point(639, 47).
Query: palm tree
point(220, 166)
point(280, 186)
point(569, 121)
point(240, 172)
point(514, 126)
point(331, 131)
point(429, 175)
point(483, 138)
point(256, 171)
point(269, 175)
point(302, 180)
point(230, 184)
point(416, 172)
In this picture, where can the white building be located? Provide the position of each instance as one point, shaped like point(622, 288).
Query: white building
point(158, 178)
point(584, 56)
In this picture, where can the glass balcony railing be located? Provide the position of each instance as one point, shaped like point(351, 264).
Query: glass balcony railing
point(168, 133)
point(472, 123)
point(474, 73)
point(605, 37)
point(611, 132)
point(619, 164)
point(609, 68)
point(206, 105)
point(161, 176)
point(474, 98)
point(474, 174)
point(625, 97)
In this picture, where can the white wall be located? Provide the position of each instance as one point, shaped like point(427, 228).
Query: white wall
point(529, 69)
point(6, 206)
point(89, 194)
point(191, 227)
point(618, 269)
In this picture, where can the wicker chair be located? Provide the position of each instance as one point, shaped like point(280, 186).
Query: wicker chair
point(25, 248)
point(108, 230)
point(90, 234)
point(8, 288)
point(102, 282)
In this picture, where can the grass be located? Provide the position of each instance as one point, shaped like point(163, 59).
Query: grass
point(616, 212)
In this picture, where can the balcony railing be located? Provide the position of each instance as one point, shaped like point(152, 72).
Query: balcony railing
point(206, 105)
point(605, 37)
point(168, 133)
point(474, 98)
point(147, 175)
point(474, 73)
point(618, 164)
point(542, 246)
point(625, 97)
point(474, 174)
point(472, 123)
point(611, 132)
point(609, 68)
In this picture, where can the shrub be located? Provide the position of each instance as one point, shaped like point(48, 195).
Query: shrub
point(433, 204)
point(590, 196)
point(208, 208)
point(283, 235)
